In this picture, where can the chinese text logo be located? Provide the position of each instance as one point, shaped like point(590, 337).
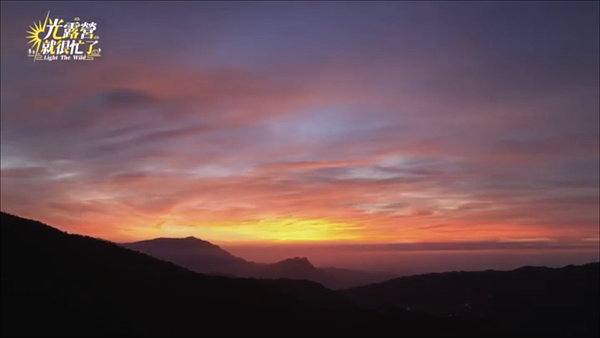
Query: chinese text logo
point(57, 39)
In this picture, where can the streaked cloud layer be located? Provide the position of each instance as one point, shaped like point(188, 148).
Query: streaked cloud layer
point(360, 122)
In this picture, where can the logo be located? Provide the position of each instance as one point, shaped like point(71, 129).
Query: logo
point(58, 40)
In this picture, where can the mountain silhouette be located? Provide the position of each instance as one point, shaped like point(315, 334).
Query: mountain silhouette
point(204, 257)
point(191, 253)
point(534, 300)
point(59, 284)
point(67, 285)
point(296, 264)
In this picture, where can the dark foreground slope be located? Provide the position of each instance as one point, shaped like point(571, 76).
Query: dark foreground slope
point(57, 284)
point(532, 300)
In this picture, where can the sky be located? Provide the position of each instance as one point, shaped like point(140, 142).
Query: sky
point(396, 135)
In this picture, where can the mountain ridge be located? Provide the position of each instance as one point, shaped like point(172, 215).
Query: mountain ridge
point(69, 285)
point(204, 257)
point(535, 299)
point(58, 284)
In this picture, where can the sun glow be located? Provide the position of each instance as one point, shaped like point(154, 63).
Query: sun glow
point(275, 229)
point(297, 229)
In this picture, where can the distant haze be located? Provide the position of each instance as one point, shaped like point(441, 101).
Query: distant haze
point(404, 262)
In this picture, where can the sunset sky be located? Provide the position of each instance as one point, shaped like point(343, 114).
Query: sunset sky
point(304, 128)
